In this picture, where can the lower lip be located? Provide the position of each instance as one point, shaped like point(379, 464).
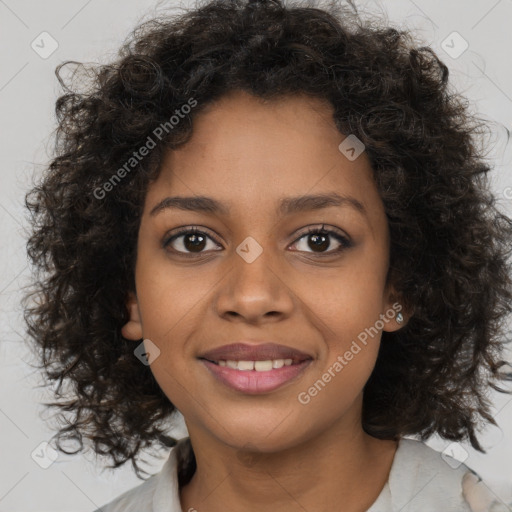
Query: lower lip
point(254, 382)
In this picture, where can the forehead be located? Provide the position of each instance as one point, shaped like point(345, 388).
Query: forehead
point(249, 152)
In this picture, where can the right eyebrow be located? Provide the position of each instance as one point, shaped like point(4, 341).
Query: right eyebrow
point(192, 204)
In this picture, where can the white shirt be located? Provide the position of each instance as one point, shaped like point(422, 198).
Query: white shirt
point(420, 480)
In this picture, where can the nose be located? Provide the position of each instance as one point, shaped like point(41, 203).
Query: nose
point(254, 291)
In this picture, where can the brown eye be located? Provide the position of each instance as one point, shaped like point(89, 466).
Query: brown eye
point(319, 240)
point(189, 241)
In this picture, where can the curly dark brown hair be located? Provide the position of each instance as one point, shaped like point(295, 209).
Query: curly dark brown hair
point(450, 245)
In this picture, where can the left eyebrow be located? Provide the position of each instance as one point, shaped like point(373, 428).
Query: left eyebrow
point(286, 206)
point(317, 202)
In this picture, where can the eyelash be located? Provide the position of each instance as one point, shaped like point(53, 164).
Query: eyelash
point(344, 241)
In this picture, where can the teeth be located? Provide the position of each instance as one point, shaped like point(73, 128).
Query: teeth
point(262, 366)
point(246, 365)
point(259, 366)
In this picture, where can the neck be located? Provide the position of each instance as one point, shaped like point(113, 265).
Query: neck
point(342, 466)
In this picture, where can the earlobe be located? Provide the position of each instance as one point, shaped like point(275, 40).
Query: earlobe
point(395, 312)
point(396, 317)
point(132, 330)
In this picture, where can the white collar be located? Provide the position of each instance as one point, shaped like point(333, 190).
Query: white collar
point(167, 497)
point(419, 479)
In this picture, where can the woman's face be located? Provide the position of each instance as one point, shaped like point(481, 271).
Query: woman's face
point(254, 275)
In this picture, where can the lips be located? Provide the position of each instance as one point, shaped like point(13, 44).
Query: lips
point(261, 352)
point(255, 369)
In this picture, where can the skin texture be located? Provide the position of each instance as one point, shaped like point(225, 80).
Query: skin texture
point(267, 451)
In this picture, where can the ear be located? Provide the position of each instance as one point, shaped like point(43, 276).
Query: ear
point(394, 310)
point(132, 330)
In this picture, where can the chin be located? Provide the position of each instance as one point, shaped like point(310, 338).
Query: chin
point(263, 439)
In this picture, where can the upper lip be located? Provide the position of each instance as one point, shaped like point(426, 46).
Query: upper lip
point(260, 352)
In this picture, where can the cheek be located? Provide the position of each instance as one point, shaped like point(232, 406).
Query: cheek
point(169, 296)
point(350, 299)
point(346, 313)
point(346, 309)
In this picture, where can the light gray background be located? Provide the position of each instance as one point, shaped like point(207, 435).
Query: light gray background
point(92, 31)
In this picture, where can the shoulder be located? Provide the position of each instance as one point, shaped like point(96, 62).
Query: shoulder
point(159, 493)
point(134, 500)
point(423, 479)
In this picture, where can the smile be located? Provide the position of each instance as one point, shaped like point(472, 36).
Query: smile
point(259, 366)
point(255, 377)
